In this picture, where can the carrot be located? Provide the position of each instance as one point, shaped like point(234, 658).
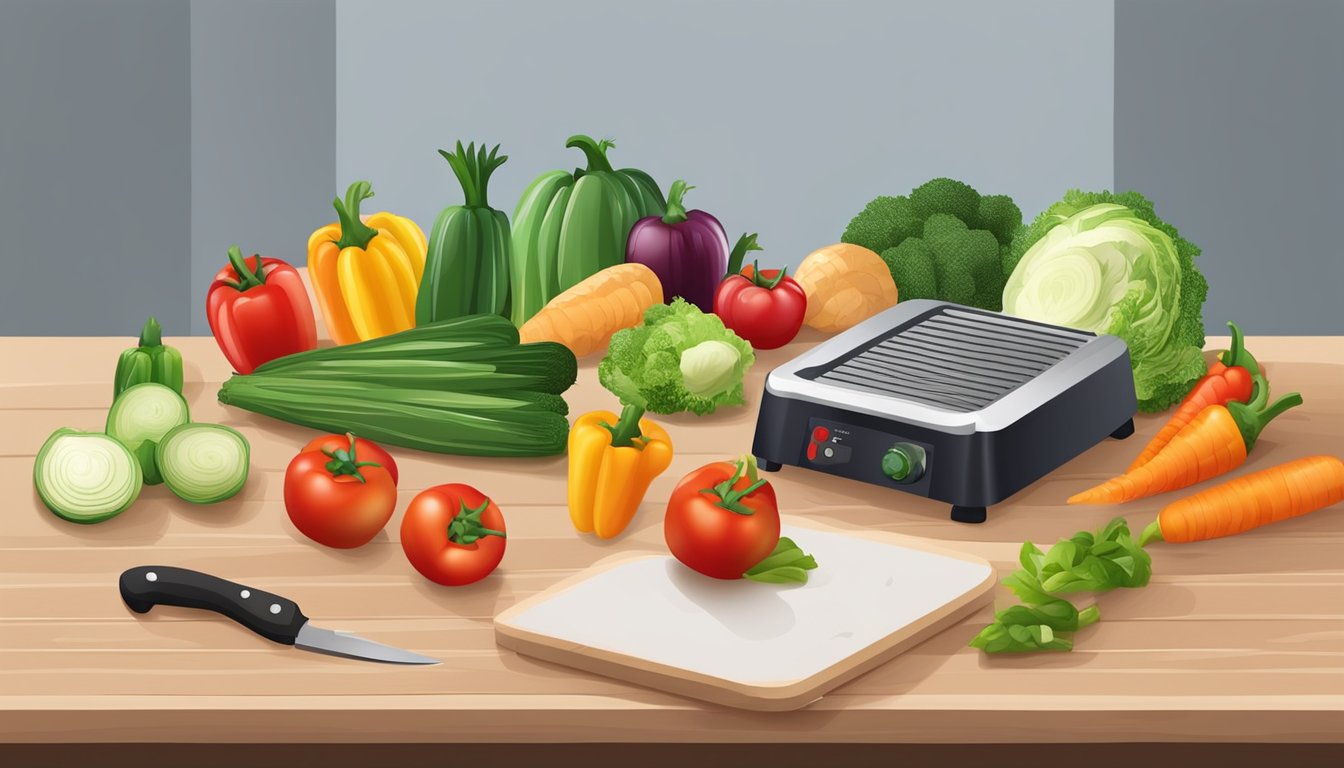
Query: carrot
point(1250, 501)
point(1231, 378)
point(584, 317)
point(1216, 442)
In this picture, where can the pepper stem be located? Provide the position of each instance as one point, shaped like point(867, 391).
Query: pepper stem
point(354, 233)
point(466, 527)
point(473, 168)
point(1251, 420)
point(344, 462)
point(626, 432)
point(676, 211)
point(1238, 355)
point(731, 498)
point(595, 151)
point(247, 278)
point(151, 335)
point(744, 243)
point(766, 283)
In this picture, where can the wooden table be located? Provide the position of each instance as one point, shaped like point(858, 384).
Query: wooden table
point(1237, 640)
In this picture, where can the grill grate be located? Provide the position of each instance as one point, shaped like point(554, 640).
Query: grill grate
point(961, 360)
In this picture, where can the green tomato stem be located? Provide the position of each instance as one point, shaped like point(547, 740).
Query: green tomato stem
point(770, 283)
point(466, 526)
point(344, 462)
point(731, 498)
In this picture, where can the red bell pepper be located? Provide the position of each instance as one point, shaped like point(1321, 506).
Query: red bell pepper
point(764, 307)
point(259, 312)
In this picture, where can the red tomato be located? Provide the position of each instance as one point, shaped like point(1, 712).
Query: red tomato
point(721, 521)
point(765, 308)
point(453, 534)
point(365, 450)
point(336, 498)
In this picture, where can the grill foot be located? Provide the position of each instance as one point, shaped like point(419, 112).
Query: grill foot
point(969, 514)
point(1124, 430)
point(767, 465)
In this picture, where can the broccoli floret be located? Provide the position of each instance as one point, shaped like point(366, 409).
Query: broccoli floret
point(882, 224)
point(911, 265)
point(943, 195)
point(944, 241)
point(1001, 216)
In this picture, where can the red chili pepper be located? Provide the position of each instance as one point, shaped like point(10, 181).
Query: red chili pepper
point(259, 313)
point(1232, 378)
point(764, 307)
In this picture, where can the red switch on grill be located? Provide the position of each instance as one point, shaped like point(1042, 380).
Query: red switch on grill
point(820, 434)
point(811, 451)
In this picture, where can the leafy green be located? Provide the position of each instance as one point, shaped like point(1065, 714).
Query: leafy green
point(1085, 562)
point(787, 564)
point(1107, 263)
point(945, 241)
point(679, 359)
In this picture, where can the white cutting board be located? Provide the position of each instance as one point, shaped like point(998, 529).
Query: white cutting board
point(647, 619)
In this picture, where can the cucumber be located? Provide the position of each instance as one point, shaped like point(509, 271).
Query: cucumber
point(461, 338)
point(140, 417)
point(86, 477)
point(203, 463)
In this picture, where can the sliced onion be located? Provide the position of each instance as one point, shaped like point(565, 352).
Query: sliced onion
point(203, 463)
point(86, 477)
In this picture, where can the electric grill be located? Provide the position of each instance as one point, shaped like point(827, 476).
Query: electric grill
point(948, 402)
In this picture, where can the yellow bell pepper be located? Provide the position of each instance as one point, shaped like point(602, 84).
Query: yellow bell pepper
point(611, 463)
point(366, 275)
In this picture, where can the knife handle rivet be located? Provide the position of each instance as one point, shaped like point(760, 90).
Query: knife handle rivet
point(245, 594)
point(151, 576)
point(275, 607)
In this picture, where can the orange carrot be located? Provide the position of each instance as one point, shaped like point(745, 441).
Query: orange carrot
point(1250, 501)
point(1216, 442)
point(1232, 378)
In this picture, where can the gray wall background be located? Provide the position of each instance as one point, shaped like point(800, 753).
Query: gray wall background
point(1230, 116)
point(140, 138)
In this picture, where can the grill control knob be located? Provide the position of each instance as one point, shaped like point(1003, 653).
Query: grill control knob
point(903, 463)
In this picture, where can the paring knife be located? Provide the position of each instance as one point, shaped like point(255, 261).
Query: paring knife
point(271, 616)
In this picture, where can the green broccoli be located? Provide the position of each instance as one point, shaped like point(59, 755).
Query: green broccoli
point(679, 359)
point(945, 241)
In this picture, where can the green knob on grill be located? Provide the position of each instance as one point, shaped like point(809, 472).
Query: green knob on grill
point(903, 463)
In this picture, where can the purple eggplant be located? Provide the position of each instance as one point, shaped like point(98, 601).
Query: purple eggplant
point(688, 251)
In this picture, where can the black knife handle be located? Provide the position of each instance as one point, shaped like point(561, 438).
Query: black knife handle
point(271, 616)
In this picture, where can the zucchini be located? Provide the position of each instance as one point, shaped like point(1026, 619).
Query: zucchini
point(461, 338)
point(140, 417)
point(86, 477)
point(543, 367)
point(203, 463)
point(474, 424)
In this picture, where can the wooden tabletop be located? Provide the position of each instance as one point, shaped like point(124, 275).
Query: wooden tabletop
point(1238, 639)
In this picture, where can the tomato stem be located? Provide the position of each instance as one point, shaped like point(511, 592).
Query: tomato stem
point(344, 462)
point(730, 498)
point(466, 527)
point(766, 283)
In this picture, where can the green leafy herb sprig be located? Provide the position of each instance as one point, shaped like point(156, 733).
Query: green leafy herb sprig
point(1085, 562)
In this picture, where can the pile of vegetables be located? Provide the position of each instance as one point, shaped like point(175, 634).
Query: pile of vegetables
point(463, 386)
point(679, 359)
point(1107, 263)
point(944, 241)
point(1209, 435)
point(148, 439)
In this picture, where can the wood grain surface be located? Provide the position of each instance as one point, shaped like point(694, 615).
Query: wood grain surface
point(1239, 639)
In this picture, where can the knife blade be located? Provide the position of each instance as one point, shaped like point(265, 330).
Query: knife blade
point(273, 617)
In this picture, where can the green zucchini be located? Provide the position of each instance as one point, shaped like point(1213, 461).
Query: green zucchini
point(462, 338)
point(501, 424)
point(86, 477)
point(203, 463)
point(543, 367)
point(140, 417)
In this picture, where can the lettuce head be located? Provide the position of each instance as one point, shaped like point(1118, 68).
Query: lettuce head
point(1106, 263)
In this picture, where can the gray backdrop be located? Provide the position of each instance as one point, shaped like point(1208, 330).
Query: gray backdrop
point(141, 137)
